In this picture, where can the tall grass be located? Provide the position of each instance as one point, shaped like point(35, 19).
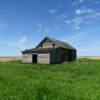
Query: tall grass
point(68, 81)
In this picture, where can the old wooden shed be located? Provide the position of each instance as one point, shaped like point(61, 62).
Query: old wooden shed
point(50, 51)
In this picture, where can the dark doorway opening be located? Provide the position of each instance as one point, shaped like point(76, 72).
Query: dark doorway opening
point(34, 58)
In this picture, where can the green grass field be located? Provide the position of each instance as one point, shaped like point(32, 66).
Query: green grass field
point(69, 81)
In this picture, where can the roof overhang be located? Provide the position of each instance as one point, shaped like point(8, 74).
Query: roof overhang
point(39, 50)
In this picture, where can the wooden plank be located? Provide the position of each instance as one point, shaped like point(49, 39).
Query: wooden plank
point(44, 58)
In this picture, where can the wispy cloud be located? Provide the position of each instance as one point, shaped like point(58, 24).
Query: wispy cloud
point(98, 14)
point(52, 11)
point(77, 2)
point(84, 11)
point(81, 1)
point(74, 23)
point(83, 15)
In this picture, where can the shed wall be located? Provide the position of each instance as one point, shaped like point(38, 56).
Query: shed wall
point(55, 56)
point(43, 58)
point(27, 58)
point(64, 55)
point(74, 55)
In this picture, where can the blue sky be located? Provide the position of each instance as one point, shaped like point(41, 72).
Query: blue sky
point(23, 23)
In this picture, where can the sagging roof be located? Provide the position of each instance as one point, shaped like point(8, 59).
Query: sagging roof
point(58, 43)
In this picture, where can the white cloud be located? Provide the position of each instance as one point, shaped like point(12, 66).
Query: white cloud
point(77, 28)
point(74, 23)
point(78, 12)
point(98, 14)
point(84, 11)
point(84, 15)
point(53, 11)
point(81, 1)
point(77, 2)
point(67, 21)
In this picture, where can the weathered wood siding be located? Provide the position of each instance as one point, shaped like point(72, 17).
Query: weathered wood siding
point(27, 58)
point(64, 55)
point(74, 55)
point(43, 58)
point(68, 55)
point(55, 56)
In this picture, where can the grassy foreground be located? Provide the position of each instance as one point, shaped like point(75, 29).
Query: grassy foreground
point(74, 81)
